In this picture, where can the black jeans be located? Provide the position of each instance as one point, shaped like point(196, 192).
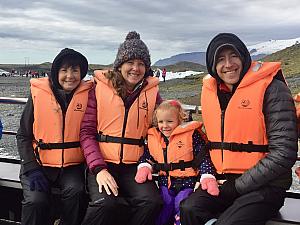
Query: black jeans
point(136, 204)
point(255, 207)
point(38, 207)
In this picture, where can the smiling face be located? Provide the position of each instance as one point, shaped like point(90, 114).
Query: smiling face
point(167, 121)
point(229, 67)
point(69, 78)
point(133, 72)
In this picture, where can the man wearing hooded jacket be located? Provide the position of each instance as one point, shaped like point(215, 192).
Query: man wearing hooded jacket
point(48, 142)
point(250, 120)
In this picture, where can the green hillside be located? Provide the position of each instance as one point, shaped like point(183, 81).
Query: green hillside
point(290, 59)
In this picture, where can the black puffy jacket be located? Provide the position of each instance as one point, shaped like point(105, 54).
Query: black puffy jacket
point(281, 128)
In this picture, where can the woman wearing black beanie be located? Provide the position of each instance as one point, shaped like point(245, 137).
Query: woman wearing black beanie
point(48, 142)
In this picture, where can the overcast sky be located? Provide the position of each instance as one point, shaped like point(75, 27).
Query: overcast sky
point(35, 31)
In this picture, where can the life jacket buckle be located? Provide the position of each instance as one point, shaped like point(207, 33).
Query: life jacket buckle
point(102, 138)
point(237, 147)
point(142, 142)
point(170, 166)
point(181, 165)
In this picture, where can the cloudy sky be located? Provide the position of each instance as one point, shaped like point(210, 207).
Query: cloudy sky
point(35, 31)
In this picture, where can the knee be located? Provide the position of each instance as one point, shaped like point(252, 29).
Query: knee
point(37, 200)
point(107, 204)
point(74, 190)
point(154, 203)
point(186, 206)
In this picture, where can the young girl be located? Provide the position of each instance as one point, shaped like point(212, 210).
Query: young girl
point(177, 151)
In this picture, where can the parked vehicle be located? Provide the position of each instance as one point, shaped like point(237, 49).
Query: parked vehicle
point(4, 73)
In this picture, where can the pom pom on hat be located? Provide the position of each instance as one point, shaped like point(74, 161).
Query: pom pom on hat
point(132, 35)
point(132, 48)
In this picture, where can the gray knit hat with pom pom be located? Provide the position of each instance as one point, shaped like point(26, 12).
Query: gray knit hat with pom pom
point(132, 48)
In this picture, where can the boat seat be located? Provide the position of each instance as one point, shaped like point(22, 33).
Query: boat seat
point(289, 213)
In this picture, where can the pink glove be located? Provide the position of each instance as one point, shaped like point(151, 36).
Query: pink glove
point(143, 174)
point(211, 185)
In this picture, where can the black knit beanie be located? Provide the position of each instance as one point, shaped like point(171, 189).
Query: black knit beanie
point(132, 48)
point(74, 56)
point(218, 43)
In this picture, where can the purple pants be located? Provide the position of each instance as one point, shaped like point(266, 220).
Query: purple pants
point(170, 209)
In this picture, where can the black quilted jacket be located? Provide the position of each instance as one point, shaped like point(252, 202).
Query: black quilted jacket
point(281, 127)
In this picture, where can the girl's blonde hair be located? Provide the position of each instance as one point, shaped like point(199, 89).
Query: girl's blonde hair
point(171, 105)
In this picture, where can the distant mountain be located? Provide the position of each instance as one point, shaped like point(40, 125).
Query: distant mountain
point(195, 57)
point(257, 52)
point(271, 46)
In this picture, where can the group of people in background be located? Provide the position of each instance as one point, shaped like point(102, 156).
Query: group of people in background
point(163, 73)
point(118, 128)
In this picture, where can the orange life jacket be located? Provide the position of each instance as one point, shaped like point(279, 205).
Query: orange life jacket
point(113, 121)
point(243, 121)
point(50, 126)
point(179, 148)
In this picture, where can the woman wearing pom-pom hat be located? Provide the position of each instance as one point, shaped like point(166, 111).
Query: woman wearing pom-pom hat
point(118, 115)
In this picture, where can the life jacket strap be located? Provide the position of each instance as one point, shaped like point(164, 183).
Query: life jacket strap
point(238, 147)
point(173, 166)
point(65, 145)
point(122, 140)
